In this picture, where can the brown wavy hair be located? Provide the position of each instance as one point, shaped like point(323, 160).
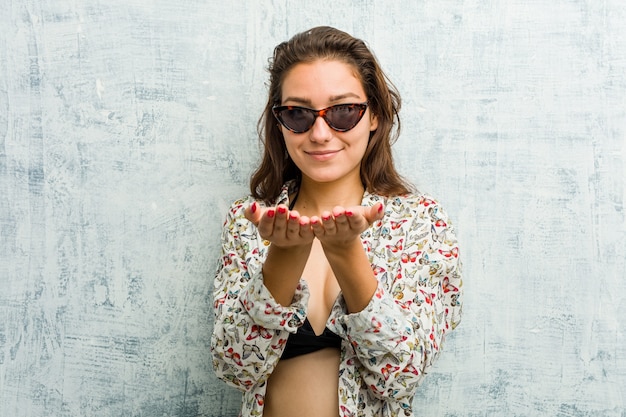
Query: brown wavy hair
point(378, 173)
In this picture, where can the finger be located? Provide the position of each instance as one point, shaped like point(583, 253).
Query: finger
point(306, 230)
point(341, 222)
point(329, 222)
point(280, 220)
point(317, 227)
point(356, 218)
point(293, 224)
point(266, 223)
point(375, 212)
point(253, 213)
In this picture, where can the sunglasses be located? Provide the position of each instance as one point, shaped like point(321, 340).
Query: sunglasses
point(340, 117)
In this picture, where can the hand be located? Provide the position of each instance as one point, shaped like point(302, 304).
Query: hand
point(279, 225)
point(343, 226)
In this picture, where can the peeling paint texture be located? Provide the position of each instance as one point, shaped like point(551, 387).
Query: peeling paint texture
point(127, 127)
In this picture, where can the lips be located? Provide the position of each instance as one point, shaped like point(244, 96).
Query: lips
point(322, 155)
point(321, 152)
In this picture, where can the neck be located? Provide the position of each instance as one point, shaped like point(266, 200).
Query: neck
point(315, 197)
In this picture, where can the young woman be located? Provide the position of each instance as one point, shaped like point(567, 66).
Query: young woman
point(337, 282)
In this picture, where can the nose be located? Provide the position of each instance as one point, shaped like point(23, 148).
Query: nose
point(320, 131)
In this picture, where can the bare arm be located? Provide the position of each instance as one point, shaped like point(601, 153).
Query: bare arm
point(339, 232)
point(291, 238)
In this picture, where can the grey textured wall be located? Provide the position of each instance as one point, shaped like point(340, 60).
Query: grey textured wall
point(126, 127)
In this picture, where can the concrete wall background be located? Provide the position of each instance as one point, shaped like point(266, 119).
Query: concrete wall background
point(127, 127)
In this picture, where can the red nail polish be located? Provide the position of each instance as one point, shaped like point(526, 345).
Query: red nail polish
point(253, 207)
point(326, 218)
point(292, 216)
point(270, 213)
point(380, 209)
point(349, 213)
point(282, 210)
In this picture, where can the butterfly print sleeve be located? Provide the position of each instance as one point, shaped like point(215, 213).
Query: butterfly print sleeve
point(398, 336)
point(250, 328)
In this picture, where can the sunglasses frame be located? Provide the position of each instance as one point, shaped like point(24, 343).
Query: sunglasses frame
point(276, 110)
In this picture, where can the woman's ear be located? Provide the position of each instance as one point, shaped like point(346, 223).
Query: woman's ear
point(373, 122)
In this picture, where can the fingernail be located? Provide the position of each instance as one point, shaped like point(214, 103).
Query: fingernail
point(282, 210)
point(292, 216)
point(380, 209)
point(253, 207)
point(349, 213)
point(270, 213)
point(326, 218)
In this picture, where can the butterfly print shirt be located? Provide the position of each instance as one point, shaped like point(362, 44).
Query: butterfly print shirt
point(387, 348)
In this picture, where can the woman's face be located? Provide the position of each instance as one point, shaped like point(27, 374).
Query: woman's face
point(321, 153)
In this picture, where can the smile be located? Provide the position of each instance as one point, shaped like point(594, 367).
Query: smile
point(322, 155)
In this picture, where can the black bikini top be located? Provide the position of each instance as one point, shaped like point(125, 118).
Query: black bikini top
point(305, 340)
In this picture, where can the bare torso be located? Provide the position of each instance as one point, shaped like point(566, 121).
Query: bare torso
point(307, 385)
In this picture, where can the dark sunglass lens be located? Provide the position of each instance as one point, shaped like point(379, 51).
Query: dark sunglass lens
point(298, 119)
point(344, 117)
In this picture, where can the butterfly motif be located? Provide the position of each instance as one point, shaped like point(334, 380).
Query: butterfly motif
point(280, 344)
point(410, 274)
point(423, 281)
point(236, 357)
point(376, 390)
point(376, 325)
point(345, 412)
point(257, 331)
point(377, 269)
point(269, 309)
point(248, 304)
point(454, 300)
point(397, 224)
point(249, 236)
point(395, 248)
point(410, 257)
point(388, 370)
point(406, 407)
point(342, 395)
point(219, 302)
point(228, 259)
point(432, 338)
point(428, 297)
point(447, 287)
point(454, 252)
point(379, 293)
point(434, 269)
point(398, 292)
point(245, 277)
point(440, 223)
point(251, 349)
point(372, 361)
point(385, 233)
point(411, 369)
point(437, 237)
point(440, 317)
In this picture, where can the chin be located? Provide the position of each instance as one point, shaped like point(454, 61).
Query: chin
point(326, 178)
